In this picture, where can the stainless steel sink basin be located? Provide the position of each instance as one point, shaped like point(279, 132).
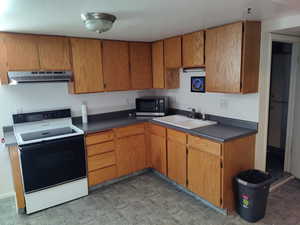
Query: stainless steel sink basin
point(184, 122)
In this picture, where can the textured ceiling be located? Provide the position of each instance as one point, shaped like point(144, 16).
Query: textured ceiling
point(140, 20)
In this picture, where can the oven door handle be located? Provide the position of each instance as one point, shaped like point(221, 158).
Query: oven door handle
point(32, 147)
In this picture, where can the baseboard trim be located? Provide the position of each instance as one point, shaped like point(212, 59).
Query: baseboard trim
point(186, 191)
point(280, 183)
point(117, 180)
point(7, 195)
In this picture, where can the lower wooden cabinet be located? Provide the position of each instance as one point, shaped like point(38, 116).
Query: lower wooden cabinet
point(158, 153)
point(204, 175)
point(101, 157)
point(177, 156)
point(131, 154)
point(102, 175)
point(158, 148)
point(204, 167)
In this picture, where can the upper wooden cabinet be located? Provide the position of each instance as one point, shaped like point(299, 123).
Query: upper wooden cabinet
point(34, 52)
point(172, 53)
point(232, 57)
point(163, 78)
point(158, 64)
point(54, 53)
point(87, 66)
point(140, 65)
point(116, 65)
point(193, 50)
point(21, 51)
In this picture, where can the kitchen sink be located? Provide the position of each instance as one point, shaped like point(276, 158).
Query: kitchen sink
point(184, 122)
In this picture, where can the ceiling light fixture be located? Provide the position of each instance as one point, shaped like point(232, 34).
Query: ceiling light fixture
point(98, 22)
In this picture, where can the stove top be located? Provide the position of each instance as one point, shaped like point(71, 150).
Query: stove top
point(47, 133)
point(44, 126)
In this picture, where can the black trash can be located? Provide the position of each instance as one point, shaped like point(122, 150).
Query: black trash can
point(252, 189)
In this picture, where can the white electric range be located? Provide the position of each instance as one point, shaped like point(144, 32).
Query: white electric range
point(52, 158)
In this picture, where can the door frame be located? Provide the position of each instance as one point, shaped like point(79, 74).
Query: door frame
point(264, 97)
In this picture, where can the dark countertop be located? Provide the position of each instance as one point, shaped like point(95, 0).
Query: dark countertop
point(102, 125)
point(9, 137)
point(219, 132)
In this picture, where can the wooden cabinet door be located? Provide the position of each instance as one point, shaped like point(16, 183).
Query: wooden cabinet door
point(204, 175)
point(21, 52)
point(158, 64)
point(193, 49)
point(116, 65)
point(140, 65)
point(172, 52)
point(54, 53)
point(223, 51)
point(87, 65)
point(158, 153)
point(131, 154)
point(177, 162)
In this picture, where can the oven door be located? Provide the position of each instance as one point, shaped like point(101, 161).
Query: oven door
point(52, 162)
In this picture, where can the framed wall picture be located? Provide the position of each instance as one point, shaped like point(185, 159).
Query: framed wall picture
point(198, 84)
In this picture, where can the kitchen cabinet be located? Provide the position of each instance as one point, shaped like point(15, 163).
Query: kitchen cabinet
point(212, 166)
point(232, 58)
point(116, 65)
point(54, 53)
point(158, 148)
point(131, 149)
point(21, 52)
point(24, 52)
point(163, 78)
point(158, 64)
point(101, 157)
point(177, 156)
point(17, 177)
point(193, 50)
point(204, 173)
point(172, 53)
point(140, 65)
point(87, 66)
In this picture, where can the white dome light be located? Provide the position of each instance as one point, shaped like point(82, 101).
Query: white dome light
point(98, 22)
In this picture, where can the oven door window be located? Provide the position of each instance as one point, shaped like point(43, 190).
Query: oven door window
point(53, 162)
point(146, 105)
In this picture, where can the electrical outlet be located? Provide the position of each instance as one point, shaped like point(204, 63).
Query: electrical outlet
point(224, 104)
point(19, 110)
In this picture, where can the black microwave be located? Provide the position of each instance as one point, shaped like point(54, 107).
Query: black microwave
point(152, 106)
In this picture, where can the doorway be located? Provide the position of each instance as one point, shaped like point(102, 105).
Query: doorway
point(278, 107)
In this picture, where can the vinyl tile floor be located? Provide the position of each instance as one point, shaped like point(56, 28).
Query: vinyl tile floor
point(149, 200)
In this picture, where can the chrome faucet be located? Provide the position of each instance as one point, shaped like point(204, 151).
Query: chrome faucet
point(192, 113)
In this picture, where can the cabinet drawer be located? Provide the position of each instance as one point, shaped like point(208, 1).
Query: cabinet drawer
point(99, 176)
point(103, 160)
point(176, 136)
point(99, 137)
point(100, 148)
point(130, 130)
point(204, 145)
point(157, 130)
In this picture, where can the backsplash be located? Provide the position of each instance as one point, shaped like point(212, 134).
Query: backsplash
point(237, 106)
point(36, 97)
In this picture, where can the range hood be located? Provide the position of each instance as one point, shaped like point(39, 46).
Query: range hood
point(18, 77)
